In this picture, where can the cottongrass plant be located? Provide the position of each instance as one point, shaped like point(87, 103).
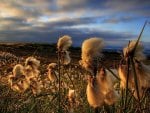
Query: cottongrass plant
point(142, 70)
point(31, 67)
point(129, 71)
point(66, 58)
point(106, 82)
point(138, 54)
point(71, 100)
point(26, 77)
point(47, 100)
point(100, 89)
point(17, 80)
point(52, 74)
point(91, 52)
point(33, 74)
point(94, 94)
point(63, 45)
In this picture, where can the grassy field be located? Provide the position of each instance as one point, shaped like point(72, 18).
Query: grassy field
point(73, 77)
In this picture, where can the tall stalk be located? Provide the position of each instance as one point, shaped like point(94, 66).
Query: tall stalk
point(127, 80)
point(133, 52)
point(132, 62)
point(95, 73)
point(59, 81)
point(136, 81)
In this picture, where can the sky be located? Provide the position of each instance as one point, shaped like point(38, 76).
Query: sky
point(45, 21)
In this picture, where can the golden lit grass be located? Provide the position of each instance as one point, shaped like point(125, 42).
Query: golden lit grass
point(73, 77)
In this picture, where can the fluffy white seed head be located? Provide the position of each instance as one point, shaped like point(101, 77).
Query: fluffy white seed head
point(66, 58)
point(106, 84)
point(36, 85)
point(143, 78)
point(94, 95)
point(122, 75)
point(31, 67)
point(18, 81)
point(52, 75)
point(71, 93)
point(52, 66)
point(16, 88)
point(139, 55)
point(33, 62)
point(21, 86)
point(18, 70)
point(143, 85)
point(123, 71)
point(105, 81)
point(64, 43)
point(25, 85)
point(143, 72)
point(51, 72)
point(91, 50)
point(111, 97)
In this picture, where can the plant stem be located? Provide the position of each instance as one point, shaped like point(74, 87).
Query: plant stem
point(127, 80)
point(136, 82)
point(59, 82)
point(139, 38)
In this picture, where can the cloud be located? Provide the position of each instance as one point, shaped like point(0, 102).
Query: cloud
point(51, 36)
point(124, 19)
point(129, 6)
point(46, 20)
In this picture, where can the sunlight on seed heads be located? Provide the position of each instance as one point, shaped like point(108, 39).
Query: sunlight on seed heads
point(91, 51)
point(64, 43)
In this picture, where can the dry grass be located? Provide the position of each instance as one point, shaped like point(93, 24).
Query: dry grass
point(72, 77)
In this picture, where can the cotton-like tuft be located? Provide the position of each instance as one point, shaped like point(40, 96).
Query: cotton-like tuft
point(91, 52)
point(106, 82)
point(139, 55)
point(94, 95)
point(66, 58)
point(71, 93)
point(31, 67)
point(64, 43)
point(52, 76)
point(52, 66)
point(18, 81)
point(18, 70)
point(33, 62)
